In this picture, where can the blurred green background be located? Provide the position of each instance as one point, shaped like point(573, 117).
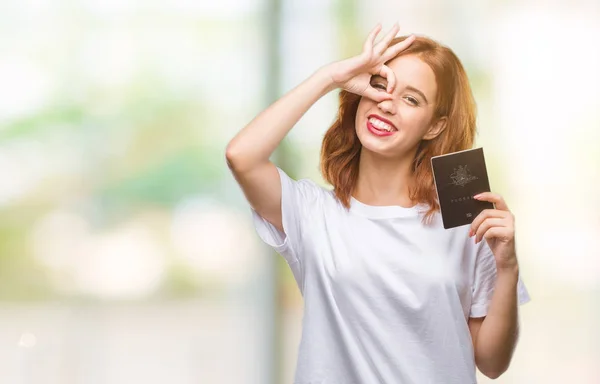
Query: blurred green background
point(127, 253)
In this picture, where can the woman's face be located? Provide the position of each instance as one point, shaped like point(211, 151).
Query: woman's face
point(394, 127)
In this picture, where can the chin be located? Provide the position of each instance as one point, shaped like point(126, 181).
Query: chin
point(376, 145)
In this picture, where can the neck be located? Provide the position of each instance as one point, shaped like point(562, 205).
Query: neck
point(384, 181)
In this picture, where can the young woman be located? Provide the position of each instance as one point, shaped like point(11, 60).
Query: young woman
point(390, 296)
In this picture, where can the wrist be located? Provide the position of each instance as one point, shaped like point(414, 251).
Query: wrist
point(511, 269)
point(323, 77)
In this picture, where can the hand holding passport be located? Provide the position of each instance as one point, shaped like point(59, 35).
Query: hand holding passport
point(458, 177)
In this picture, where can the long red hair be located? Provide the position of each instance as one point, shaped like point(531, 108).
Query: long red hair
point(340, 151)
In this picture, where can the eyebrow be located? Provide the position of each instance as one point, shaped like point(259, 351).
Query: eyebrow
point(409, 87)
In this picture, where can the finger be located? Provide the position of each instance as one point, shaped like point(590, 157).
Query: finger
point(493, 198)
point(385, 42)
point(499, 233)
point(485, 214)
point(376, 94)
point(371, 38)
point(390, 76)
point(395, 49)
point(486, 225)
point(381, 46)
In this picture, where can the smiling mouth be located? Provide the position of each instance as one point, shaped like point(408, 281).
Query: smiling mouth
point(379, 127)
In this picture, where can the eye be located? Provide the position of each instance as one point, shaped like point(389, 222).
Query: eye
point(379, 86)
point(412, 100)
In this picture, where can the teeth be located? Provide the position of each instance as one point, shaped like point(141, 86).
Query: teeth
point(380, 125)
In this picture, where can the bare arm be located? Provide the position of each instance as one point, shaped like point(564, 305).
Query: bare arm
point(249, 151)
point(495, 336)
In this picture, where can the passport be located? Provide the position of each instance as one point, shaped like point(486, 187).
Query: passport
point(458, 177)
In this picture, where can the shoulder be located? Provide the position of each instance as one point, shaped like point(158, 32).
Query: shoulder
point(304, 190)
point(316, 193)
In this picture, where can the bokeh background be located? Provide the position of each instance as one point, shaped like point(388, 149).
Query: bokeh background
point(127, 254)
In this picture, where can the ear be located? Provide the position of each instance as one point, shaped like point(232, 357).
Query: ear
point(436, 128)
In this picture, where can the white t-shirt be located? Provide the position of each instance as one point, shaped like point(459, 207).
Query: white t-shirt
point(386, 298)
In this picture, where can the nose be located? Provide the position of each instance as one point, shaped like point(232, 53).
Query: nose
point(387, 106)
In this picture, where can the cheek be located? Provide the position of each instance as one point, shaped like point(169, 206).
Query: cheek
point(363, 106)
point(415, 118)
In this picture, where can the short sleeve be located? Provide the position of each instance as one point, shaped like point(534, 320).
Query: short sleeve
point(485, 280)
point(296, 198)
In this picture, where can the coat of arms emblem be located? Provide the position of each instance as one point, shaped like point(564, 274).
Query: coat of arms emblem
point(461, 176)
